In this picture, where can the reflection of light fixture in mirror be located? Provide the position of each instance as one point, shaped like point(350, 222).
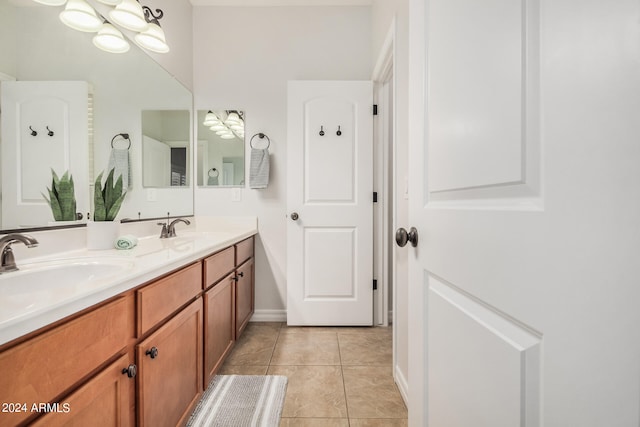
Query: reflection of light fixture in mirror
point(153, 38)
point(233, 118)
point(129, 15)
point(80, 16)
point(51, 2)
point(210, 119)
point(225, 129)
point(110, 39)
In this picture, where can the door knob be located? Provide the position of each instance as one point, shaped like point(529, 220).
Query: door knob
point(402, 237)
point(294, 216)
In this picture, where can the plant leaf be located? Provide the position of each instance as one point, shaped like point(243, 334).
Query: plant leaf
point(55, 206)
point(113, 211)
point(99, 211)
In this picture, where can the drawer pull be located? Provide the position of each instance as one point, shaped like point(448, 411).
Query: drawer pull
point(131, 371)
point(235, 278)
point(152, 352)
point(241, 274)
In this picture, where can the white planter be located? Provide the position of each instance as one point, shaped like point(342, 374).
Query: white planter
point(102, 234)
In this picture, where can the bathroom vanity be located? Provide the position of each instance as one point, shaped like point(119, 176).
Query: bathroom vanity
point(147, 344)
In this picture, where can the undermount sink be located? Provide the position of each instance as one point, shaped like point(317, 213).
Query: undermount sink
point(40, 283)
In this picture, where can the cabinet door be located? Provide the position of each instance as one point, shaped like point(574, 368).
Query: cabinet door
point(244, 296)
point(170, 369)
point(219, 325)
point(108, 397)
point(50, 364)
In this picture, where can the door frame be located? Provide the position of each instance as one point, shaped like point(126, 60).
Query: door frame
point(386, 178)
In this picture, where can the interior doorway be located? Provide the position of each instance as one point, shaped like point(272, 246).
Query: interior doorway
point(391, 212)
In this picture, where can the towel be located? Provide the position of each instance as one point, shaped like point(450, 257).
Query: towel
point(259, 168)
point(213, 180)
point(128, 241)
point(119, 159)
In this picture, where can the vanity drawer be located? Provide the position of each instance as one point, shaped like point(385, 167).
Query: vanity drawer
point(42, 368)
point(218, 266)
point(244, 250)
point(164, 297)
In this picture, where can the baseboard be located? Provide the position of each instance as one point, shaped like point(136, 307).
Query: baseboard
point(269, 316)
point(403, 387)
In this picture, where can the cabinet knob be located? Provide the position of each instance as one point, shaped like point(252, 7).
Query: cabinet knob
point(131, 371)
point(152, 352)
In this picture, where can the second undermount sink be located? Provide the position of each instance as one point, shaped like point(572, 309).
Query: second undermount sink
point(40, 283)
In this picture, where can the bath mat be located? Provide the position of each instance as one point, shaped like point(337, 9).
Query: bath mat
point(241, 400)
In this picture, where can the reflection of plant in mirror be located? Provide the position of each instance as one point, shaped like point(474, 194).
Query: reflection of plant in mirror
point(62, 199)
point(108, 199)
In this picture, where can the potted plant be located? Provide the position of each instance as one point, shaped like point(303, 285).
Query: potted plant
point(107, 200)
point(62, 199)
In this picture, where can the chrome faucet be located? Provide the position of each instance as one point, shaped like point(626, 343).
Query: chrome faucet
point(172, 226)
point(170, 230)
point(7, 260)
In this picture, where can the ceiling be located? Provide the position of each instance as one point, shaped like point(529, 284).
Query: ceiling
point(281, 2)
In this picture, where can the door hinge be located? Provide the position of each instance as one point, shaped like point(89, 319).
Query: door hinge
point(375, 285)
point(375, 197)
point(375, 109)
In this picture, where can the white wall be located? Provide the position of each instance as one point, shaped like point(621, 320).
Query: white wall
point(393, 15)
point(243, 58)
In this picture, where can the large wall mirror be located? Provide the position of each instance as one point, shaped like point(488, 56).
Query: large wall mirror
point(220, 148)
point(44, 63)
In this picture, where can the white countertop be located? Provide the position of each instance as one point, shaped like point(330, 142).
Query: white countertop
point(24, 311)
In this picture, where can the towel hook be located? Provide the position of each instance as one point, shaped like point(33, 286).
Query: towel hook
point(124, 136)
point(321, 131)
point(33, 132)
point(339, 131)
point(261, 136)
point(50, 132)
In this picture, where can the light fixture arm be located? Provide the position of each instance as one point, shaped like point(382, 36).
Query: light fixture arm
point(152, 18)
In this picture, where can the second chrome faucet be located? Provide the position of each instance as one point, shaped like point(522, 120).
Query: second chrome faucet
point(170, 229)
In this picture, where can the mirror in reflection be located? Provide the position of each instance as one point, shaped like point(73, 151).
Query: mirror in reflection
point(165, 148)
point(221, 156)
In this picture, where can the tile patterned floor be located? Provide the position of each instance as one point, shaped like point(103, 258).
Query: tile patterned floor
point(338, 377)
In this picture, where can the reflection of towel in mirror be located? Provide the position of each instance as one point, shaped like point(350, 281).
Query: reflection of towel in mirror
point(119, 159)
point(259, 168)
point(213, 180)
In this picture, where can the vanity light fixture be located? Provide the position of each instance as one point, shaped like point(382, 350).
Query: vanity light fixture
point(110, 39)
point(78, 15)
point(153, 38)
point(129, 14)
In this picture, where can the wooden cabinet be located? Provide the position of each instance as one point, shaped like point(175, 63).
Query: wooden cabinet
point(38, 370)
point(219, 325)
point(142, 358)
point(244, 296)
point(170, 369)
point(107, 397)
point(164, 297)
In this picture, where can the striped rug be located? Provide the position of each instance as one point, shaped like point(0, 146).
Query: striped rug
point(241, 400)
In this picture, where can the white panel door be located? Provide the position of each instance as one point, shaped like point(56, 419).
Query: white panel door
point(157, 163)
point(329, 197)
point(524, 152)
point(44, 127)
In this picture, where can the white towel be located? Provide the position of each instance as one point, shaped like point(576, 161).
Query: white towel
point(128, 241)
point(119, 159)
point(259, 168)
point(213, 180)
